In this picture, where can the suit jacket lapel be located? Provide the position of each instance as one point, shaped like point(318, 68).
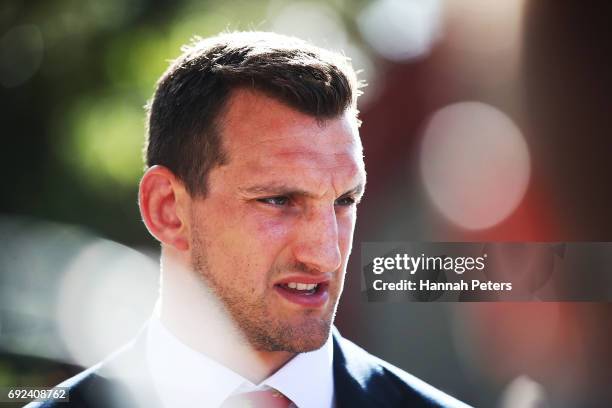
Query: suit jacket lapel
point(350, 377)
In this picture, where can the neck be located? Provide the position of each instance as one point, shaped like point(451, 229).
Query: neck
point(193, 314)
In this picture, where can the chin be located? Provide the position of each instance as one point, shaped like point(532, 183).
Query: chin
point(303, 338)
point(309, 344)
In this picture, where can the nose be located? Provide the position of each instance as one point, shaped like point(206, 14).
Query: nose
point(316, 244)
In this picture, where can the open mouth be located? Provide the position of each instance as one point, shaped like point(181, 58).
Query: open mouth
point(304, 294)
point(301, 288)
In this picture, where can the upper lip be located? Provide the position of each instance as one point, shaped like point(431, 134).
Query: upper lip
point(304, 279)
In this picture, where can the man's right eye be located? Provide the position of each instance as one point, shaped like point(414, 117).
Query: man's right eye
point(278, 201)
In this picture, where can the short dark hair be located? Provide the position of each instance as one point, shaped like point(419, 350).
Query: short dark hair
point(183, 116)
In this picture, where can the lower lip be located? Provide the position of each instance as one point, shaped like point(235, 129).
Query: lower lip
point(317, 299)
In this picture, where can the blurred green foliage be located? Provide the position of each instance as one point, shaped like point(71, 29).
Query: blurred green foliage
point(75, 127)
point(75, 77)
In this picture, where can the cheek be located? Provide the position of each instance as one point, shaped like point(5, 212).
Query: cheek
point(271, 231)
point(261, 241)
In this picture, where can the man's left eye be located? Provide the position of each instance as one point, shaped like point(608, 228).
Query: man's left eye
point(279, 201)
point(345, 201)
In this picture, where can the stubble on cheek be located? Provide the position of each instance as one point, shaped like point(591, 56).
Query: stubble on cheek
point(253, 306)
point(261, 318)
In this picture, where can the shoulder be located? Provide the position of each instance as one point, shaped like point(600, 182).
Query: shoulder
point(86, 389)
point(114, 382)
point(361, 378)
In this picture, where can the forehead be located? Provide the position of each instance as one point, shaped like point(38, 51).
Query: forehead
point(262, 133)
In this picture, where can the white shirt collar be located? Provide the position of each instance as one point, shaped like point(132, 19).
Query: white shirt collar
point(308, 378)
point(182, 375)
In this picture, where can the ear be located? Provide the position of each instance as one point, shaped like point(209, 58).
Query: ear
point(163, 202)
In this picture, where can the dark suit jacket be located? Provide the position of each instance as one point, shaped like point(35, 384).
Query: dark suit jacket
point(360, 380)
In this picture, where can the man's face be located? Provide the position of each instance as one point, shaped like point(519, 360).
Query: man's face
point(273, 235)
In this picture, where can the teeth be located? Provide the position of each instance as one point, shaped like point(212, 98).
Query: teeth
point(302, 286)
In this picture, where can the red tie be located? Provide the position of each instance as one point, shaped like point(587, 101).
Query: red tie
point(257, 399)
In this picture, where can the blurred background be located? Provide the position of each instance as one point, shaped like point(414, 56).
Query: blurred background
point(482, 121)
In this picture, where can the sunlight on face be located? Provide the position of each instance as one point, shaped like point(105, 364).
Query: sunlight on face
point(273, 235)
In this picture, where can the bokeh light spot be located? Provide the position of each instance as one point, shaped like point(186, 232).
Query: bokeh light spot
point(401, 30)
point(311, 21)
point(106, 285)
point(21, 53)
point(105, 141)
point(474, 164)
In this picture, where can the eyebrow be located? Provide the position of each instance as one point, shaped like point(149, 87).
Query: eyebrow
point(287, 190)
